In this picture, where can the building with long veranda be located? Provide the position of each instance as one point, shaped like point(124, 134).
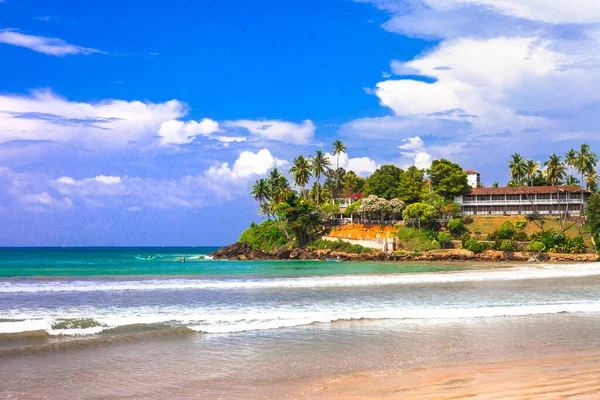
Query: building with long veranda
point(547, 200)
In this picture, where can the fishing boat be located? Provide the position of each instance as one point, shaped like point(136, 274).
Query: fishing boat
point(145, 258)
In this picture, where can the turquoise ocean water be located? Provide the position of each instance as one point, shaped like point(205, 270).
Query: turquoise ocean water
point(97, 323)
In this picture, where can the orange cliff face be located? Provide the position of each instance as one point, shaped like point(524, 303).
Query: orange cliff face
point(363, 231)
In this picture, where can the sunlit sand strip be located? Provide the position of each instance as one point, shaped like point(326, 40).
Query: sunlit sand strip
point(572, 377)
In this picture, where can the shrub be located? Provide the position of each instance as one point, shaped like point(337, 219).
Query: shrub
point(492, 236)
point(506, 230)
point(266, 236)
point(537, 247)
point(477, 232)
point(456, 226)
point(467, 220)
point(509, 245)
point(553, 238)
point(520, 224)
point(414, 239)
point(520, 236)
point(339, 245)
point(444, 239)
point(475, 246)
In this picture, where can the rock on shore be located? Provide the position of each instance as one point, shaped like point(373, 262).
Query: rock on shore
point(243, 251)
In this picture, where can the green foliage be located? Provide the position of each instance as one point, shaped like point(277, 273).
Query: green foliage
point(456, 226)
point(447, 178)
point(537, 247)
point(266, 236)
point(592, 215)
point(468, 220)
point(450, 209)
point(384, 182)
point(328, 211)
point(506, 230)
point(410, 185)
point(340, 246)
point(352, 209)
point(520, 224)
point(520, 236)
point(352, 184)
point(420, 214)
point(444, 239)
point(475, 245)
point(508, 245)
point(413, 239)
point(553, 238)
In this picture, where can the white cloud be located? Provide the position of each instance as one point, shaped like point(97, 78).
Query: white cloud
point(248, 164)
point(41, 44)
point(39, 202)
point(180, 132)
point(550, 11)
point(412, 143)
point(282, 131)
point(422, 160)
point(362, 166)
point(45, 116)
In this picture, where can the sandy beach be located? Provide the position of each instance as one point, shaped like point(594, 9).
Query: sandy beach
point(567, 376)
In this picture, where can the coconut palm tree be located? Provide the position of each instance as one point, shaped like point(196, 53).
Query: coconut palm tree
point(319, 165)
point(496, 184)
point(585, 163)
point(570, 160)
point(338, 148)
point(260, 191)
point(532, 168)
point(301, 172)
point(555, 170)
point(518, 168)
point(571, 181)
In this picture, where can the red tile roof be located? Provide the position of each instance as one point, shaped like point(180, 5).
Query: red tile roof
point(526, 190)
point(470, 171)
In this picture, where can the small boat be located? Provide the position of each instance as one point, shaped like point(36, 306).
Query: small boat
point(145, 258)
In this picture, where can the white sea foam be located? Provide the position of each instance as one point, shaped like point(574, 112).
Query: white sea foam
point(231, 320)
point(507, 274)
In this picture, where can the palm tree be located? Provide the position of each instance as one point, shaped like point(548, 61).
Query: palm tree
point(301, 172)
point(555, 170)
point(532, 168)
point(260, 191)
point(571, 181)
point(518, 167)
point(495, 184)
point(338, 148)
point(570, 160)
point(585, 163)
point(319, 165)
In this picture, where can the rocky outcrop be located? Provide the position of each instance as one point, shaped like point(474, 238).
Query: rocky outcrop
point(243, 251)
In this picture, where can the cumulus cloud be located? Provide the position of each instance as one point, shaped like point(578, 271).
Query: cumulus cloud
point(362, 166)
point(503, 74)
point(278, 130)
point(45, 116)
point(42, 44)
point(180, 132)
point(412, 143)
point(247, 164)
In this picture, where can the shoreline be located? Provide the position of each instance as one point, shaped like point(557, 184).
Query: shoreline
point(243, 252)
point(565, 375)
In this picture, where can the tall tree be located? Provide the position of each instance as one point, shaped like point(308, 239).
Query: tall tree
point(496, 184)
point(517, 168)
point(338, 148)
point(555, 170)
point(301, 173)
point(585, 163)
point(570, 157)
point(260, 191)
point(319, 165)
point(532, 168)
point(384, 182)
point(411, 185)
point(447, 178)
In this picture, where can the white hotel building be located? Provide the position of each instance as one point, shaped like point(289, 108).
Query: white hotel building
point(551, 200)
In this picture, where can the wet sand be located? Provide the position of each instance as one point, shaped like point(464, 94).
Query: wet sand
point(567, 376)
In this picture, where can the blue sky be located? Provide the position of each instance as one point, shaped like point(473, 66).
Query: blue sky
point(145, 122)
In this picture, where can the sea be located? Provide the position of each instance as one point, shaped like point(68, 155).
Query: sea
point(99, 323)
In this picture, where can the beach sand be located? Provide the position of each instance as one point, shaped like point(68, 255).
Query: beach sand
point(567, 376)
